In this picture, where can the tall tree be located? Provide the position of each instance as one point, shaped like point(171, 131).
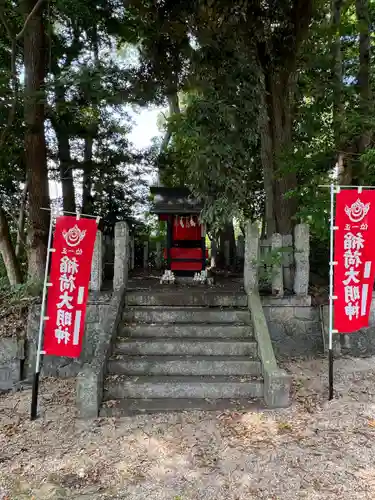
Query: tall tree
point(366, 106)
point(35, 143)
point(338, 94)
point(7, 251)
point(66, 47)
point(60, 122)
point(280, 36)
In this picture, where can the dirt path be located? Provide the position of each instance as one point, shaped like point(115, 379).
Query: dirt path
point(314, 450)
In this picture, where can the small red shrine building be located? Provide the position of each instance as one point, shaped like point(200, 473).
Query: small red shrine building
point(185, 252)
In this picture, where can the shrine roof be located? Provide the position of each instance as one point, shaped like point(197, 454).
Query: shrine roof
point(174, 201)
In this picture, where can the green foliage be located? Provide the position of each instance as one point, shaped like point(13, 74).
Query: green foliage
point(209, 54)
point(215, 146)
point(20, 294)
point(268, 263)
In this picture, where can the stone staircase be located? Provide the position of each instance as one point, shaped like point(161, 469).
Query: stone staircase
point(183, 349)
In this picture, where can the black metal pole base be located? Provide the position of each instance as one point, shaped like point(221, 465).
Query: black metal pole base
point(330, 374)
point(34, 396)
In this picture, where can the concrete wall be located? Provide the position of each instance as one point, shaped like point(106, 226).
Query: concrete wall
point(12, 352)
point(361, 343)
point(299, 329)
point(294, 326)
point(61, 366)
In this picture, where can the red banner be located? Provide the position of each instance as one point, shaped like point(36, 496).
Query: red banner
point(70, 272)
point(354, 257)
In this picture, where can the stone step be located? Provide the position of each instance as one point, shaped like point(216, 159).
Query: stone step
point(186, 347)
point(204, 298)
point(186, 330)
point(118, 387)
point(185, 315)
point(182, 365)
point(129, 407)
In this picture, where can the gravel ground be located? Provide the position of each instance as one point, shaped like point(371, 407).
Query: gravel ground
point(314, 450)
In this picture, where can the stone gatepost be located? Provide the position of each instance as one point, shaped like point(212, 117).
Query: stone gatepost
point(132, 253)
point(159, 255)
point(227, 253)
point(240, 247)
point(213, 253)
point(96, 279)
point(251, 257)
point(287, 260)
point(277, 280)
point(120, 276)
point(301, 258)
point(145, 255)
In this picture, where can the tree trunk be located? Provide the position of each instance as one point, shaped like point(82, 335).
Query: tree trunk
point(87, 204)
point(284, 182)
point(227, 234)
point(174, 108)
point(344, 171)
point(65, 160)
point(21, 220)
point(35, 144)
point(266, 154)
point(7, 252)
point(91, 134)
point(364, 84)
point(66, 173)
point(275, 134)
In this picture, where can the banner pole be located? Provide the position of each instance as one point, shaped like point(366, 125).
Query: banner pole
point(35, 387)
point(330, 332)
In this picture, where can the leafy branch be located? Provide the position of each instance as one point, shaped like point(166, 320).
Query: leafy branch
point(14, 38)
point(269, 262)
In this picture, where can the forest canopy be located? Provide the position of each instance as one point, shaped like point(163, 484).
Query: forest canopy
point(266, 101)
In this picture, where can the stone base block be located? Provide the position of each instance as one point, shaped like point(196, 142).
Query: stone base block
point(10, 374)
point(11, 354)
point(89, 393)
point(277, 389)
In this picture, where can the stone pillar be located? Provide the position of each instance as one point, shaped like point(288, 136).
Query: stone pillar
point(251, 263)
point(227, 253)
point(97, 264)
point(120, 276)
point(301, 258)
point(287, 260)
point(240, 247)
point(213, 253)
point(132, 253)
point(277, 280)
point(145, 255)
point(159, 255)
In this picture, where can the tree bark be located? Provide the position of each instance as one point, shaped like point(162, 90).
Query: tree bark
point(174, 108)
point(227, 234)
point(87, 205)
point(21, 220)
point(35, 144)
point(344, 171)
point(277, 63)
point(266, 155)
point(283, 89)
point(7, 252)
point(275, 135)
point(91, 134)
point(65, 160)
point(66, 172)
